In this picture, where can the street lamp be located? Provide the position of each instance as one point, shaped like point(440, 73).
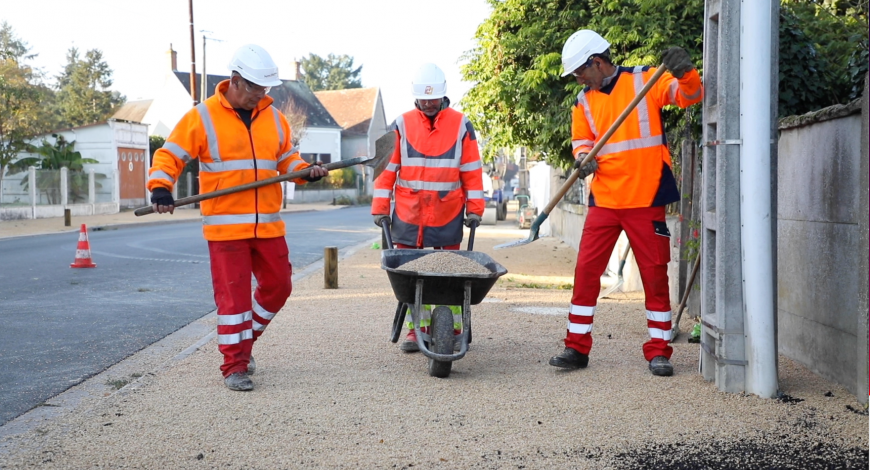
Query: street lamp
point(204, 81)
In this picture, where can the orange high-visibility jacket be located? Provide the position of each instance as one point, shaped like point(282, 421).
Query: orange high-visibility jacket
point(436, 171)
point(230, 155)
point(634, 166)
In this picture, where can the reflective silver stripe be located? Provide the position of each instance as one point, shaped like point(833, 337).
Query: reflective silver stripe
point(581, 143)
point(237, 319)
point(288, 155)
point(428, 185)
point(394, 167)
point(672, 91)
point(475, 194)
point(403, 141)
point(462, 131)
point(257, 326)
point(658, 316)
point(240, 219)
point(177, 151)
point(471, 166)
point(694, 95)
point(581, 310)
point(161, 175)
point(642, 108)
point(383, 193)
point(631, 144)
point(210, 133)
point(233, 165)
point(581, 98)
point(278, 126)
point(295, 165)
point(235, 338)
point(579, 328)
point(656, 333)
point(431, 162)
point(262, 312)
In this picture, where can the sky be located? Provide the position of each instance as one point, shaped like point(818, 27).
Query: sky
point(389, 38)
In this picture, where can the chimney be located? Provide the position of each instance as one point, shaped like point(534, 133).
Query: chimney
point(173, 58)
point(295, 74)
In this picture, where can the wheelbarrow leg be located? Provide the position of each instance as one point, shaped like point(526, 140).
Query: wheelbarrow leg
point(398, 320)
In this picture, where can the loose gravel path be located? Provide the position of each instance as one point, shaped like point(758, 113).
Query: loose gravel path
point(333, 392)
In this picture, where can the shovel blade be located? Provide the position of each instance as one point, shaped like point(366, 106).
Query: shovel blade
point(384, 148)
point(524, 241)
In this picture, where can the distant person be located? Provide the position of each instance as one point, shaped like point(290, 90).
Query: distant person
point(239, 137)
point(436, 174)
point(632, 183)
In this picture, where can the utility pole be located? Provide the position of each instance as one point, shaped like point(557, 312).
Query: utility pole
point(192, 58)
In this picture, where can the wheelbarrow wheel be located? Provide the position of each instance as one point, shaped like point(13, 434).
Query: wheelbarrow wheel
point(441, 341)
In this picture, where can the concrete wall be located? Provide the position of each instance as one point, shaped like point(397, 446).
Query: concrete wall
point(47, 212)
point(819, 250)
point(864, 254)
point(322, 140)
point(321, 195)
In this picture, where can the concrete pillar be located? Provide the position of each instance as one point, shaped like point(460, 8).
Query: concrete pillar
point(864, 200)
point(64, 186)
point(116, 186)
point(32, 190)
point(92, 187)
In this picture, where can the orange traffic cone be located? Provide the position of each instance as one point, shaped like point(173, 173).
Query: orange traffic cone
point(83, 251)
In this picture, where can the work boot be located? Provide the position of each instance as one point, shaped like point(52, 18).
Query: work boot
point(239, 382)
point(660, 365)
point(410, 343)
point(252, 366)
point(570, 359)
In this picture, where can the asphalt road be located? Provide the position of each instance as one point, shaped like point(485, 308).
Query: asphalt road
point(61, 326)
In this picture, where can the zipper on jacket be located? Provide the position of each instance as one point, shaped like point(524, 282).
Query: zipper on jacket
point(256, 175)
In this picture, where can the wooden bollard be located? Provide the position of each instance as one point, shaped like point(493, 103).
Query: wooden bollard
point(67, 218)
point(330, 267)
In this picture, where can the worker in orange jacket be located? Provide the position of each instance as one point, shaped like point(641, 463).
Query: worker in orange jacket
point(437, 177)
point(239, 137)
point(632, 183)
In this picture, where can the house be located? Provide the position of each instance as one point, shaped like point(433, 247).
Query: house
point(320, 134)
point(360, 113)
point(120, 149)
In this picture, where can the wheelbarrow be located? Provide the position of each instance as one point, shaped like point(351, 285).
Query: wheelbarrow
point(414, 289)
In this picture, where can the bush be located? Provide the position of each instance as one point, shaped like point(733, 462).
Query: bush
point(336, 179)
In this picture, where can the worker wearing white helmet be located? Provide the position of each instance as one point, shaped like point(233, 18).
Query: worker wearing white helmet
point(631, 184)
point(239, 137)
point(436, 176)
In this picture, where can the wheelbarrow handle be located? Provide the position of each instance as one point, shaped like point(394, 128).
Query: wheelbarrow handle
point(385, 226)
point(471, 236)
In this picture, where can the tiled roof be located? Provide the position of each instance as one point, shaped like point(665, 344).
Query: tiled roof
point(133, 111)
point(352, 108)
point(292, 90)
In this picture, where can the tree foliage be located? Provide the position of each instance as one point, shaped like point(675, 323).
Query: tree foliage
point(519, 97)
point(22, 98)
point(83, 96)
point(335, 72)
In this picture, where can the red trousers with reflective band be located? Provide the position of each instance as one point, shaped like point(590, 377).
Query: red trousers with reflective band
point(240, 320)
point(650, 243)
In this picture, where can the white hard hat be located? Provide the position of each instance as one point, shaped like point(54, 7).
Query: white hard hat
point(254, 64)
point(429, 83)
point(579, 47)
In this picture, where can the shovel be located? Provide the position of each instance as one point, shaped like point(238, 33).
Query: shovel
point(384, 147)
point(676, 329)
point(536, 225)
point(620, 279)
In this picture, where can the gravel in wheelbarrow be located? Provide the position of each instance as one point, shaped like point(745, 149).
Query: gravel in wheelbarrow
point(442, 288)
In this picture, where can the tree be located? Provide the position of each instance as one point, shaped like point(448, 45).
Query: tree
point(22, 114)
point(83, 96)
point(336, 72)
point(519, 98)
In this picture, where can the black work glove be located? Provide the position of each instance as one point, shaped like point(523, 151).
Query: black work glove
point(472, 220)
point(677, 60)
point(162, 197)
point(588, 168)
point(380, 219)
point(312, 179)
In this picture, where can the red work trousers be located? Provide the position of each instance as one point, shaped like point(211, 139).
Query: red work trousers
point(650, 241)
point(240, 320)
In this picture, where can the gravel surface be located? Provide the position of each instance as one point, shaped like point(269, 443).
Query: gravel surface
point(333, 392)
point(445, 263)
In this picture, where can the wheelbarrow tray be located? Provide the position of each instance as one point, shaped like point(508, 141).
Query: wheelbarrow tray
point(439, 288)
